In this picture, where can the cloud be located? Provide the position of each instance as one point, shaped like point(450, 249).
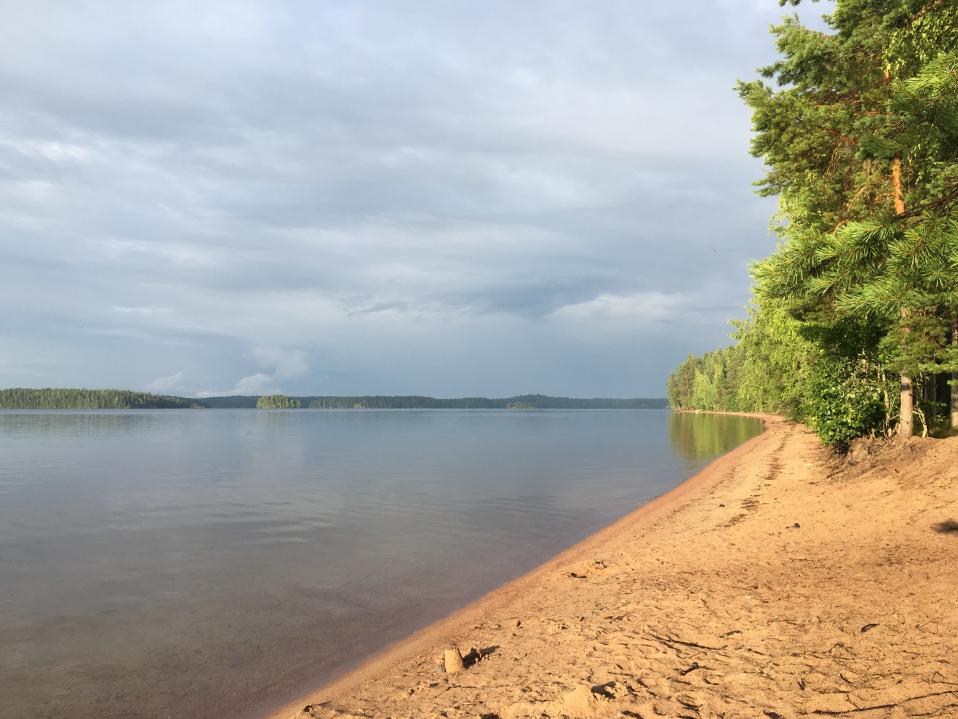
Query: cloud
point(166, 385)
point(378, 186)
point(282, 365)
point(145, 311)
point(286, 363)
point(636, 308)
point(259, 383)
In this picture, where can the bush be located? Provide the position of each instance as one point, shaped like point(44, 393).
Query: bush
point(845, 402)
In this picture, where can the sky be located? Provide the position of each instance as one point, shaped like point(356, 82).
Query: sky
point(443, 198)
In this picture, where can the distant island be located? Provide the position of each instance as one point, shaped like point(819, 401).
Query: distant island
point(525, 401)
point(277, 401)
point(51, 398)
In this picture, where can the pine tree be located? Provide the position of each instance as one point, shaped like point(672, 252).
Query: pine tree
point(859, 129)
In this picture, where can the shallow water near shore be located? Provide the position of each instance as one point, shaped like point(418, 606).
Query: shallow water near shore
point(181, 563)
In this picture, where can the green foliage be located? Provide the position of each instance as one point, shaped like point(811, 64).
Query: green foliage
point(706, 382)
point(844, 401)
point(277, 401)
point(51, 398)
point(830, 376)
point(762, 372)
point(776, 360)
point(858, 128)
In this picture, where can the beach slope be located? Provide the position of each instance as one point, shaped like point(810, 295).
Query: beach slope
point(774, 584)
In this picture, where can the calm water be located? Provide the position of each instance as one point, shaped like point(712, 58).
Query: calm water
point(170, 563)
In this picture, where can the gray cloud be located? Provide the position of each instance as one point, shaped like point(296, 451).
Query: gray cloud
point(441, 198)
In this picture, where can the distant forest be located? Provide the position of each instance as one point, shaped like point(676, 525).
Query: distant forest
point(21, 398)
point(124, 399)
point(525, 401)
point(277, 401)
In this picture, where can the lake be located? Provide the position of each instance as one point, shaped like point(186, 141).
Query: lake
point(181, 563)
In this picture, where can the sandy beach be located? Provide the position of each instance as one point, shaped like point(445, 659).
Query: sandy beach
point(776, 583)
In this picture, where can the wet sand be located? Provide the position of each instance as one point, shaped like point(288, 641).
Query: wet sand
point(774, 583)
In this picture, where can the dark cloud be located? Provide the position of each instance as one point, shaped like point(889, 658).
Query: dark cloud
point(452, 198)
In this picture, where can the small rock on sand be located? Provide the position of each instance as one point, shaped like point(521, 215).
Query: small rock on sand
point(452, 661)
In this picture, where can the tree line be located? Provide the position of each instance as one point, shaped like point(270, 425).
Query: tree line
point(854, 323)
point(53, 398)
point(526, 401)
point(277, 401)
point(24, 398)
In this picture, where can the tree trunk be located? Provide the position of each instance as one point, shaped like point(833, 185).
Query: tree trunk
point(954, 380)
point(906, 425)
point(899, 194)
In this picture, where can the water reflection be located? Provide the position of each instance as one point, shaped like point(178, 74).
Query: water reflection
point(697, 437)
point(170, 563)
point(80, 423)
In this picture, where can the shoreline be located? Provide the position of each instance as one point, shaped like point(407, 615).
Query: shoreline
point(778, 582)
point(450, 629)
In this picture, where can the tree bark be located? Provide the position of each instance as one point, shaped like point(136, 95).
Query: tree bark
point(899, 194)
point(906, 425)
point(954, 379)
